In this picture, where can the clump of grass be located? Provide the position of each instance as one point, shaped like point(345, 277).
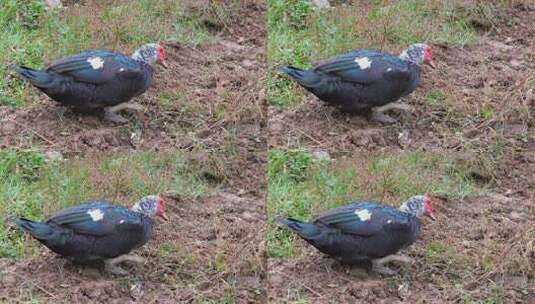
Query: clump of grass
point(437, 253)
point(154, 21)
point(300, 35)
point(328, 184)
point(24, 164)
point(33, 188)
point(410, 173)
point(407, 22)
point(290, 165)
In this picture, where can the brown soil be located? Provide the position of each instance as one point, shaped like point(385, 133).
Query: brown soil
point(487, 120)
point(210, 249)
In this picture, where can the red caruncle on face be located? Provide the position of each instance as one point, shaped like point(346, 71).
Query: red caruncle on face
point(428, 54)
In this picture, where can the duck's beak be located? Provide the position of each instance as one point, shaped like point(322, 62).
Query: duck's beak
point(432, 64)
point(164, 216)
point(432, 216)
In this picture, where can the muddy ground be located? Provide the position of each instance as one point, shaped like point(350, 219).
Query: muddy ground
point(485, 118)
point(209, 249)
point(209, 102)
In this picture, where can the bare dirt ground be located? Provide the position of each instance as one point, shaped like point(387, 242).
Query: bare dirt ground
point(210, 249)
point(486, 117)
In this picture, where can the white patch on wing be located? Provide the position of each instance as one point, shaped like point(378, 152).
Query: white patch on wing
point(364, 62)
point(96, 62)
point(363, 214)
point(95, 214)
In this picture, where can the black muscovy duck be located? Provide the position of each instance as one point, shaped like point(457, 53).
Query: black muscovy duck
point(98, 79)
point(364, 79)
point(365, 233)
point(98, 230)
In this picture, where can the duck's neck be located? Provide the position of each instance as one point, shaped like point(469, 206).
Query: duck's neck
point(138, 56)
point(406, 57)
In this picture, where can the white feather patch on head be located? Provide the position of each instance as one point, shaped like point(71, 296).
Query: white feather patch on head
point(121, 221)
point(95, 214)
point(121, 69)
point(96, 62)
point(389, 69)
point(364, 62)
point(389, 221)
point(363, 214)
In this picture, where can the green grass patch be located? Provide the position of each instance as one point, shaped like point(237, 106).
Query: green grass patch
point(299, 35)
point(299, 186)
point(32, 187)
point(33, 36)
point(435, 97)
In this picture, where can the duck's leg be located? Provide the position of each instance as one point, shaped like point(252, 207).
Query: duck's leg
point(396, 258)
point(378, 114)
point(125, 106)
point(110, 113)
point(382, 269)
point(113, 117)
point(378, 264)
point(111, 264)
point(394, 106)
point(382, 117)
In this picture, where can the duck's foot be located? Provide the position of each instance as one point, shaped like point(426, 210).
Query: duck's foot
point(378, 114)
point(113, 117)
point(112, 267)
point(382, 118)
point(381, 269)
point(110, 113)
point(378, 264)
